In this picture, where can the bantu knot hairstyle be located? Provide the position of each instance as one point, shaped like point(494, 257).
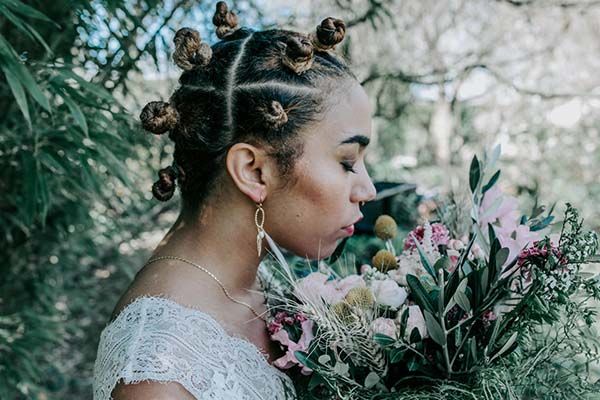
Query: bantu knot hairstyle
point(298, 54)
point(159, 117)
point(226, 21)
point(260, 87)
point(329, 33)
point(190, 52)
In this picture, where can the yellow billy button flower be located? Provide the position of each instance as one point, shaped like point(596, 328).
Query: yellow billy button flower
point(342, 311)
point(385, 227)
point(360, 297)
point(384, 261)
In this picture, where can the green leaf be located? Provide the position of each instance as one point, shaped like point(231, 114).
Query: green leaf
point(496, 151)
point(425, 261)
point(474, 174)
point(397, 355)
point(413, 364)
point(303, 358)
point(462, 300)
point(501, 257)
point(442, 264)
point(509, 343)
point(371, 380)
point(542, 224)
point(22, 73)
point(19, 93)
point(415, 336)
point(25, 28)
point(421, 296)
point(28, 11)
point(491, 182)
point(434, 328)
point(77, 113)
point(383, 340)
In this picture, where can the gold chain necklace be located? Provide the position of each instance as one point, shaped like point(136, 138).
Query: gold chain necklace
point(212, 276)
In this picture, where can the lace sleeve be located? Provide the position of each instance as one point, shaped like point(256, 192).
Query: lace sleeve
point(160, 340)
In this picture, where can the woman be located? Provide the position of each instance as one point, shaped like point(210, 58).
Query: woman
point(270, 130)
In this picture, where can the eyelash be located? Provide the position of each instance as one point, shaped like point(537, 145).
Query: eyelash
point(348, 167)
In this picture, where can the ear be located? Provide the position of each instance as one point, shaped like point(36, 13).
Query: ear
point(251, 170)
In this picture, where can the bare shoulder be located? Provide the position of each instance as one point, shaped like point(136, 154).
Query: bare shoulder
point(151, 390)
point(168, 279)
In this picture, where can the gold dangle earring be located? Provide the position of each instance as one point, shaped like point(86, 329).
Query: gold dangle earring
point(260, 222)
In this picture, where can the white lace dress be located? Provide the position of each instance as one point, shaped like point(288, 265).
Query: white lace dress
point(157, 339)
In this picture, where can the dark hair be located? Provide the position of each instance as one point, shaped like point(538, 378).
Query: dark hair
point(259, 87)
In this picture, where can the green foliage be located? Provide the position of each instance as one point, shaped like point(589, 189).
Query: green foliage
point(69, 201)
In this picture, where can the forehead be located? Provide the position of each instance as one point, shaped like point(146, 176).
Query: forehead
point(349, 114)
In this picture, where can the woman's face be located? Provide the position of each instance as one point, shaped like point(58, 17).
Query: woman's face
point(330, 180)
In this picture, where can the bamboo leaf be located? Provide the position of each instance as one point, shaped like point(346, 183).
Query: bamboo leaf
point(22, 73)
point(76, 113)
point(19, 93)
point(28, 11)
point(25, 28)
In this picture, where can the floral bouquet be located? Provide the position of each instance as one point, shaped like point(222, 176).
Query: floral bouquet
point(449, 315)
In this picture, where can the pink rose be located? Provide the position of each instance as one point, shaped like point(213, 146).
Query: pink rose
point(289, 359)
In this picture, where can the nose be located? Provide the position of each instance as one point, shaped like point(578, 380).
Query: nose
point(365, 190)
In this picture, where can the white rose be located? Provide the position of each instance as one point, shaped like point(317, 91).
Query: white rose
point(388, 293)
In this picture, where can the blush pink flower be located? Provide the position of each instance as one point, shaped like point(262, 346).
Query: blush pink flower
point(497, 207)
point(516, 239)
point(289, 359)
point(439, 236)
point(317, 287)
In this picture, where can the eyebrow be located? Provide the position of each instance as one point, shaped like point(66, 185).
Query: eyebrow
point(362, 140)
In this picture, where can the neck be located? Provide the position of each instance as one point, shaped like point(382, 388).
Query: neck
point(222, 240)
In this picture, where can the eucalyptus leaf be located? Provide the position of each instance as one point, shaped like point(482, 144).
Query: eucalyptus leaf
point(491, 182)
point(462, 300)
point(434, 329)
point(509, 343)
point(371, 380)
point(474, 174)
point(383, 340)
point(421, 296)
point(425, 261)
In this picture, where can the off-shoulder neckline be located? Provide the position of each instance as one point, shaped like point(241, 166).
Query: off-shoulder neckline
point(264, 356)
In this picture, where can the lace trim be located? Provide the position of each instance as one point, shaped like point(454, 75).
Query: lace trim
point(156, 338)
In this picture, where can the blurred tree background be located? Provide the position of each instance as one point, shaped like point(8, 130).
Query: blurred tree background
point(447, 79)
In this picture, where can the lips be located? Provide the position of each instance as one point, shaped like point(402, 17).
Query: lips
point(352, 224)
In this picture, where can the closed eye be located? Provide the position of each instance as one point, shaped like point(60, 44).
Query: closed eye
point(348, 166)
